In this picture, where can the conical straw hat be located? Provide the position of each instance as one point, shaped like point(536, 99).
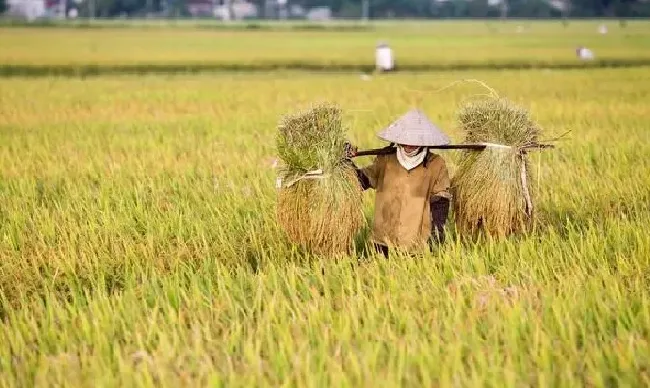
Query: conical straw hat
point(415, 129)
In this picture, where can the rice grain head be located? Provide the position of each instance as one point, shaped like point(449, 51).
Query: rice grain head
point(489, 193)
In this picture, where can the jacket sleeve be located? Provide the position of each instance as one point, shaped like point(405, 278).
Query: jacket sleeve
point(441, 184)
point(439, 211)
point(440, 198)
point(368, 175)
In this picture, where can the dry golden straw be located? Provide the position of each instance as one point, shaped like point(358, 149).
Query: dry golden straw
point(491, 187)
point(319, 203)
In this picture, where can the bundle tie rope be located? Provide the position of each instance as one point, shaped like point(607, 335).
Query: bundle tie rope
point(313, 174)
point(495, 145)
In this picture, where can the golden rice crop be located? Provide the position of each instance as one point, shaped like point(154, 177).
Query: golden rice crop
point(319, 203)
point(491, 190)
point(139, 243)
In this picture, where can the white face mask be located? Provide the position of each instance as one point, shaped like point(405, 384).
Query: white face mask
point(412, 160)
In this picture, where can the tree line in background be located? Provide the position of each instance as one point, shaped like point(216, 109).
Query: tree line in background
point(270, 9)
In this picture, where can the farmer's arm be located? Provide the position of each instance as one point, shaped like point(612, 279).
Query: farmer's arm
point(368, 175)
point(440, 197)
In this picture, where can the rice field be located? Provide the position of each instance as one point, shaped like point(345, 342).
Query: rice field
point(417, 45)
point(139, 245)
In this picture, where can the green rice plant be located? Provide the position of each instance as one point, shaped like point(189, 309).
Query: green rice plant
point(491, 190)
point(319, 204)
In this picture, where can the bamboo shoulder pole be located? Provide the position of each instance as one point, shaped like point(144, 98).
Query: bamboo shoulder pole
point(472, 147)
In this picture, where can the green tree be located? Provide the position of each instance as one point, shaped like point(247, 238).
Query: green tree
point(530, 8)
point(478, 8)
point(469, 8)
point(3, 6)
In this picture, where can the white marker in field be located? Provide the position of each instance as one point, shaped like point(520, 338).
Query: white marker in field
point(384, 60)
point(602, 29)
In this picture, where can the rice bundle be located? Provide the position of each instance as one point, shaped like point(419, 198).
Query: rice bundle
point(319, 203)
point(491, 190)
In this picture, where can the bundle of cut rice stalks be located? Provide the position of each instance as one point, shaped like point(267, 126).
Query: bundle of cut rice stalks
point(491, 187)
point(319, 202)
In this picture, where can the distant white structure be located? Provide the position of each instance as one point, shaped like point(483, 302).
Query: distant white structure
point(584, 53)
point(241, 9)
point(384, 60)
point(199, 8)
point(602, 29)
point(297, 11)
point(319, 14)
point(560, 5)
point(27, 9)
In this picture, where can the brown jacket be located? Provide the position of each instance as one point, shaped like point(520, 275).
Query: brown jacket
point(402, 205)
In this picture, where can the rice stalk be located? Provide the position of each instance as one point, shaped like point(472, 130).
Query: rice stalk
point(319, 204)
point(491, 191)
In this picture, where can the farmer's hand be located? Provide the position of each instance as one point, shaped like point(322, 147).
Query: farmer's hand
point(349, 150)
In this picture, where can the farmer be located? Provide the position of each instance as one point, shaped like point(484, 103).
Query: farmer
point(584, 53)
point(411, 184)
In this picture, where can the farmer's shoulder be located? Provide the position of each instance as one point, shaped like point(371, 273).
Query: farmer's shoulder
point(381, 160)
point(436, 161)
